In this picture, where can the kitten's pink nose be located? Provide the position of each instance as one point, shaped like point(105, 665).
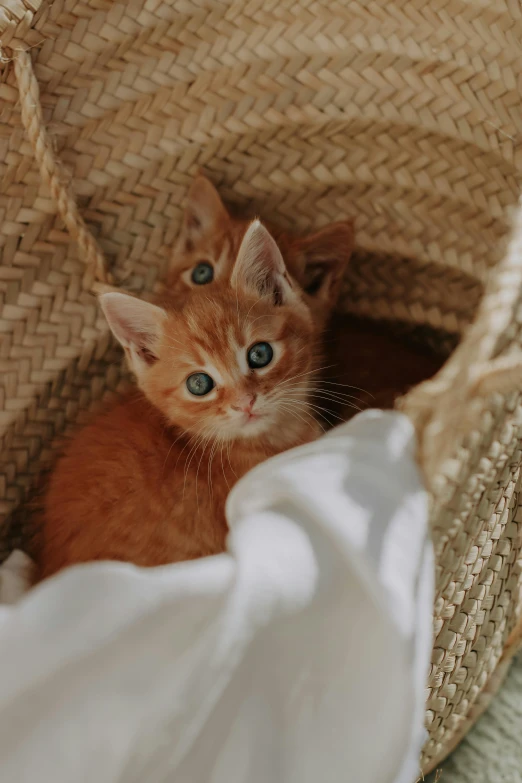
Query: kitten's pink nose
point(244, 403)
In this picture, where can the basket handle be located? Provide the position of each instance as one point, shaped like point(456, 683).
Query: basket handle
point(447, 408)
point(97, 276)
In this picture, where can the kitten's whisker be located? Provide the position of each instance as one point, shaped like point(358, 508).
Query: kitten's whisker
point(222, 465)
point(325, 411)
point(347, 386)
point(198, 439)
point(291, 409)
point(168, 452)
point(189, 459)
point(331, 398)
point(294, 413)
point(237, 307)
point(214, 453)
point(189, 441)
point(334, 397)
point(209, 466)
point(203, 450)
point(346, 405)
point(304, 348)
point(309, 388)
point(303, 374)
point(326, 396)
point(314, 389)
point(326, 399)
point(228, 457)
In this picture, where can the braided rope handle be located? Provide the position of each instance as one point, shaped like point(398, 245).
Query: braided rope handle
point(447, 408)
point(50, 169)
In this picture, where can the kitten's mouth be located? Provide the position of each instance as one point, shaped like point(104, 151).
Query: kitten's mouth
point(251, 422)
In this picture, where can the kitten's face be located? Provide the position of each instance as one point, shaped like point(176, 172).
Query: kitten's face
point(210, 240)
point(208, 243)
point(232, 362)
point(230, 369)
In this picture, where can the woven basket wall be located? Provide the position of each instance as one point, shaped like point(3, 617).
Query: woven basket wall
point(403, 113)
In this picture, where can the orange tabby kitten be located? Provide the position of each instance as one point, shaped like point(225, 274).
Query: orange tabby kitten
point(209, 242)
point(225, 382)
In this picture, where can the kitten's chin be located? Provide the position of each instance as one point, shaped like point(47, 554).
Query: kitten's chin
point(268, 429)
point(251, 428)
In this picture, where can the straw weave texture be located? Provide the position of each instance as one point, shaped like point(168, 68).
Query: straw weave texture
point(405, 114)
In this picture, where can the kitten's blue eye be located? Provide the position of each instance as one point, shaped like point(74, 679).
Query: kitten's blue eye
point(260, 355)
point(202, 273)
point(199, 384)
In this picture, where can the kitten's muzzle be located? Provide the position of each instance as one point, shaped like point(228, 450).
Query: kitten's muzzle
point(245, 404)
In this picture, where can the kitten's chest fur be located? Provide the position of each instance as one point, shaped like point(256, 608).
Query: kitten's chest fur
point(129, 488)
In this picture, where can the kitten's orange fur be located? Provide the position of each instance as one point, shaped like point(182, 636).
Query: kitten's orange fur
point(146, 482)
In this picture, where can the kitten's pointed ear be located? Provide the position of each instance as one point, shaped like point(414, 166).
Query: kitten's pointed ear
point(137, 325)
point(204, 213)
point(260, 266)
point(322, 258)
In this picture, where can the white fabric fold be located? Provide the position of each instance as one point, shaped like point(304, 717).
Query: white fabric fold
point(299, 655)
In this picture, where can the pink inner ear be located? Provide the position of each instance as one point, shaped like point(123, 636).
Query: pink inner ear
point(134, 323)
point(260, 265)
point(205, 212)
point(192, 221)
point(148, 356)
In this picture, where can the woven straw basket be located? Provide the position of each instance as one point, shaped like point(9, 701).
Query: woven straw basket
point(405, 114)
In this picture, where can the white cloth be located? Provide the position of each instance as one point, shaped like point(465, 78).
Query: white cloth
point(298, 656)
point(16, 574)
